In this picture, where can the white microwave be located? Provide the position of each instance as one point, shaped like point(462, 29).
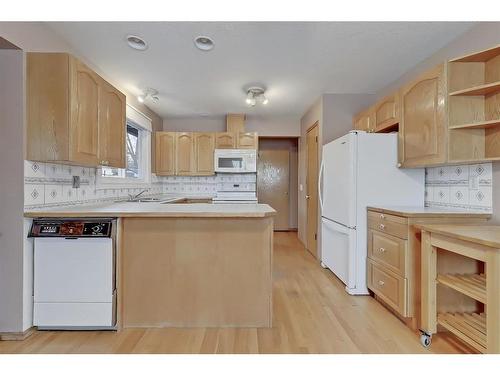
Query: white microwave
point(235, 161)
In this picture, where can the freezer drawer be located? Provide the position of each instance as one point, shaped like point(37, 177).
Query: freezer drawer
point(337, 246)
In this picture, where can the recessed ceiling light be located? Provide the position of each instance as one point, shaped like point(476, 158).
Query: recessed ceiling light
point(204, 43)
point(137, 43)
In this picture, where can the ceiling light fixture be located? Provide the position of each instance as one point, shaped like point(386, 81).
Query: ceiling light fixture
point(204, 43)
point(255, 94)
point(137, 43)
point(149, 93)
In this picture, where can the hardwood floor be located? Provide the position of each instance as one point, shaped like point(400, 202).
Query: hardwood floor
point(312, 314)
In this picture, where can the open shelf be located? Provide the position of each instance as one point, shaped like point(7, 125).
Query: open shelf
point(478, 125)
point(473, 285)
point(481, 56)
point(486, 89)
point(471, 328)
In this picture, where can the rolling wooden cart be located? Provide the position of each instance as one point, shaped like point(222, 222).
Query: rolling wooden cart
point(480, 244)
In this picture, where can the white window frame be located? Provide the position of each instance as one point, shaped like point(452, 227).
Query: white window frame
point(145, 126)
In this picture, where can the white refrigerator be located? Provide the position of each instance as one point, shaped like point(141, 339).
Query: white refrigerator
point(359, 170)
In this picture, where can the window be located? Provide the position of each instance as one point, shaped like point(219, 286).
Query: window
point(138, 158)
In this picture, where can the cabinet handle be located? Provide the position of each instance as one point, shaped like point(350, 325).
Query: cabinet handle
point(382, 226)
point(382, 250)
point(381, 283)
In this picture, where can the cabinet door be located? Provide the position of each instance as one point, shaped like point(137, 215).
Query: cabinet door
point(422, 130)
point(111, 126)
point(165, 153)
point(386, 113)
point(225, 140)
point(247, 140)
point(204, 144)
point(84, 99)
point(185, 154)
point(365, 121)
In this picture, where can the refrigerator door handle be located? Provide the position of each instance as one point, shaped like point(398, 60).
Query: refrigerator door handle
point(320, 177)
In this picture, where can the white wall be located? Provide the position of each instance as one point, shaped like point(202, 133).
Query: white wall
point(285, 126)
point(11, 190)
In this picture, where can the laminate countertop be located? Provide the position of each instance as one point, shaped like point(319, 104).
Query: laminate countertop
point(415, 211)
point(156, 209)
point(488, 235)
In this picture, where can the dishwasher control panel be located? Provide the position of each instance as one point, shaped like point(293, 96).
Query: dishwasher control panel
point(71, 228)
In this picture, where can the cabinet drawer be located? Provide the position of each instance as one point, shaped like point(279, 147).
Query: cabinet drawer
point(388, 250)
point(391, 224)
point(389, 287)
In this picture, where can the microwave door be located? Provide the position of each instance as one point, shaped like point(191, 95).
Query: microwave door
point(230, 163)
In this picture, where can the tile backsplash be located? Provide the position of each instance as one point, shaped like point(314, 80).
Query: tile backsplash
point(47, 184)
point(461, 186)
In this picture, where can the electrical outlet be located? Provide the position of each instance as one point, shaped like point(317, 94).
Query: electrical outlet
point(76, 182)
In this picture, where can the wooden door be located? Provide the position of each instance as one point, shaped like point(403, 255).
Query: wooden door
point(422, 131)
point(185, 154)
point(204, 144)
point(112, 124)
point(312, 190)
point(165, 153)
point(247, 141)
point(225, 140)
point(273, 184)
point(84, 123)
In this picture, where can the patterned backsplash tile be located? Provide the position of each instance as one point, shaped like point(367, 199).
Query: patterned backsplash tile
point(467, 187)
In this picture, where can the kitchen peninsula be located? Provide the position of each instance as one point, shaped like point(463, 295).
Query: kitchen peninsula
point(189, 265)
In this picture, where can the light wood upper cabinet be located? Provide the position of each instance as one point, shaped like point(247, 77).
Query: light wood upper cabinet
point(235, 122)
point(247, 140)
point(185, 154)
point(386, 113)
point(422, 131)
point(204, 145)
point(73, 115)
point(365, 121)
point(165, 153)
point(225, 140)
point(112, 119)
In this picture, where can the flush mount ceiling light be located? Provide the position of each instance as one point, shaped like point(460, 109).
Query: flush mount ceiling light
point(254, 95)
point(137, 43)
point(204, 43)
point(149, 93)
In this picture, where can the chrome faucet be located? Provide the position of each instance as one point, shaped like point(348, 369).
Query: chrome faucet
point(134, 197)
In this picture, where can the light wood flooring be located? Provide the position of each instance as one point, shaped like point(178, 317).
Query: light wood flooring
point(312, 314)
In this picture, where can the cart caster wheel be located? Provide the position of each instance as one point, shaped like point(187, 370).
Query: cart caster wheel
point(425, 340)
point(323, 265)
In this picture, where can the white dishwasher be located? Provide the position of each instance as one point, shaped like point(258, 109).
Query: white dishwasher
point(74, 273)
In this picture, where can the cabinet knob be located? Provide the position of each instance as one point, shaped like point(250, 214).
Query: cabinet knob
point(382, 226)
point(382, 250)
point(381, 283)
point(399, 165)
point(308, 196)
point(382, 216)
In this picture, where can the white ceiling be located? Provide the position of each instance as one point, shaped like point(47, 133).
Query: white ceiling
point(296, 61)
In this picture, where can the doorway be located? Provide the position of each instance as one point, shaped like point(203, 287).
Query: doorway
point(312, 190)
point(277, 179)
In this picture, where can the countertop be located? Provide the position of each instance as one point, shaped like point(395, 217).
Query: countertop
point(415, 211)
point(156, 209)
point(488, 235)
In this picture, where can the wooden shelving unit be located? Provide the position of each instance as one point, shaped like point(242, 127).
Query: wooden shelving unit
point(474, 107)
point(473, 285)
point(470, 328)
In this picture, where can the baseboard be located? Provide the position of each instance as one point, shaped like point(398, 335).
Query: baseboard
point(16, 336)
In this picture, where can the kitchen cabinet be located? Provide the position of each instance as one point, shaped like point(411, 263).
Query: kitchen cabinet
point(225, 140)
point(67, 104)
point(423, 126)
point(112, 119)
point(365, 121)
point(235, 122)
point(386, 114)
point(165, 153)
point(247, 141)
point(185, 163)
point(204, 146)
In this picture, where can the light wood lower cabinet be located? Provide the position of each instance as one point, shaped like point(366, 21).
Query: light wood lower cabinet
point(73, 115)
point(393, 266)
point(423, 127)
